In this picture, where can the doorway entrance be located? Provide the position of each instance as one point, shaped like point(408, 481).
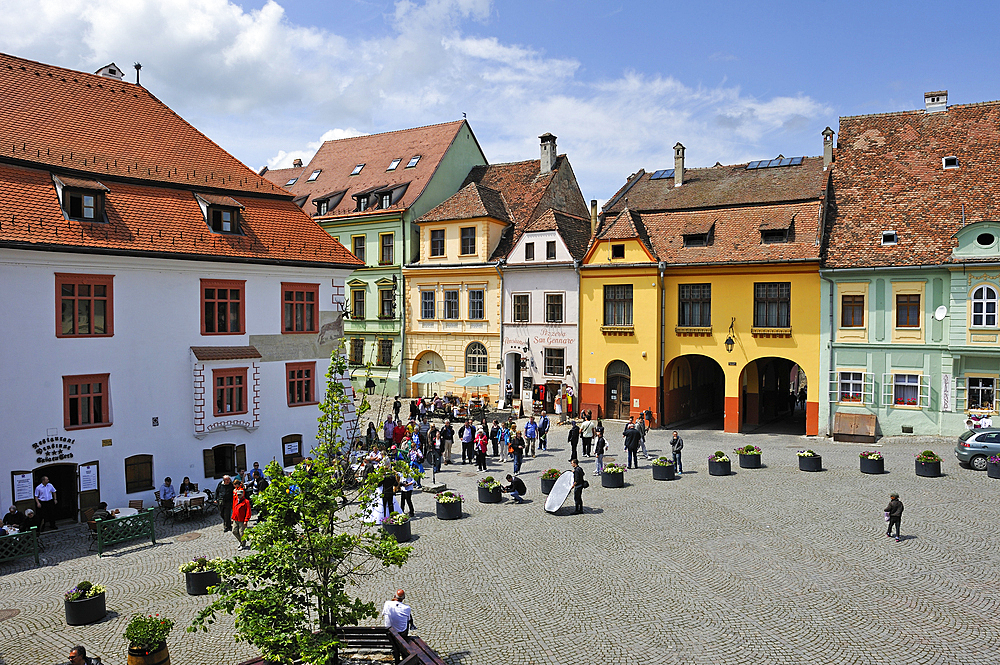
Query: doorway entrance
point(694, 387)
point(512, 370)
point(769, 390)
point(63, 478)
point(428, 361)
point(618, 385)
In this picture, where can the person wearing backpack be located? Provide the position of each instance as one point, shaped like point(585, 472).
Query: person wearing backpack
point(676, 446)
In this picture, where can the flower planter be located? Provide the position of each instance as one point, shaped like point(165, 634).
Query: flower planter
point(612, 479)
point(872, 465)
point(197, 583)
point(139, 657)
point(928, 469)
point(87, 610)
point(749, 461)
point(814, 463)
point(449, 511)
point(719, 468)
point(548, 484)
point(401, 532)
point(663, 472)
point(488, 495)
point(992, 470)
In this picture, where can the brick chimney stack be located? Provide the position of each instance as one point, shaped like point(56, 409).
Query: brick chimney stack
point(678, 164)
point(593, 216)
point(297, 163)
point(548, 153)
point(827, 147)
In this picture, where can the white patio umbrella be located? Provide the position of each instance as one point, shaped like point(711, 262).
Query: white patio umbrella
point(477, 381)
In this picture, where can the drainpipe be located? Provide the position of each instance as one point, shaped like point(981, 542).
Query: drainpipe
point(579, 346)
point(402, 308)
point(503, 355)
point(832, 367)
point(663, 342)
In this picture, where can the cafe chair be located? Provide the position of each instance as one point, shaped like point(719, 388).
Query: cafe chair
point(195, 485)
point(92, 525)
point(135, 503)
point(88, 515)
point(197, 505)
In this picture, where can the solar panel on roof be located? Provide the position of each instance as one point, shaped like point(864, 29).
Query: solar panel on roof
point(661, 174)
point(779, 161)
point(786, 162)
point(752, 165)
point(796, 161)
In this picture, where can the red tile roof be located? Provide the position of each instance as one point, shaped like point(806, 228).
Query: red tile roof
point(471, 201)
point(575, 231)
point(889, 176)
point(225, 352)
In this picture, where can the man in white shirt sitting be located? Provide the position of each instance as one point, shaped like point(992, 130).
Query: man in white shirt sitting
point(398, 614)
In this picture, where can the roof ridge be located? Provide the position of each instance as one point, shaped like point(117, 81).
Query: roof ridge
point(921, 111)
point(396, 131)
point(75, 72)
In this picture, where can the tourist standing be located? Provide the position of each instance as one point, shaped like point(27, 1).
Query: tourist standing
point(543, 432)
point(240, 516)
point(517, 450)
point(480, 444)
point(579, 482)
point(587, 433)
point(447, 439)
point(530, 435)
point(46, 502)
point(676, 446)
point(573, 438)
point(641, 427)
point(632, 439)
point(224, 495)
point(495, 437)
point(895, 513)
point(467, 433)
point(406, 494)
point(601, 447)
point(389, 483)
point(396, 406)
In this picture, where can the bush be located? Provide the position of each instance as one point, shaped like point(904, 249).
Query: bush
point(84, 590)
point(489, 483)
point(551, 474)
point(928, 456)
point(614, 468)
point(747, 450)
point(719, 456)
point(199, 565)
point(396, 519)
point(663, 461)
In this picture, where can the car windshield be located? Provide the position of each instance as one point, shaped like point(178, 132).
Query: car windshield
point(967, 434)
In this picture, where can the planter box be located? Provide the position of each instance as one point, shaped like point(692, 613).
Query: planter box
point(749, 461)
point(402, 532)
point(548, 484)
point(88, 610)
point(489, 496)
point(612, 479)
point(198, 583)
point(992, 470)
point(719, 468)
point(449, 511)
point(814, 463)
point(159, 657)
point(928, 469)
point(664, 472)
point(872, 465)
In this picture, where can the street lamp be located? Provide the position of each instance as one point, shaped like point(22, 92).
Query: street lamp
point(730, 342)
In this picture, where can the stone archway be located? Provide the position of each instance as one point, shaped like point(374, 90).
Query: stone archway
point(694, 386)
point(426, 361)
point(768, 396)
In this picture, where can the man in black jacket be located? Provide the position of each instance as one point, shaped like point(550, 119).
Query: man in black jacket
point(573, 438)
point(676, 446)
point(224, 496)
point(516, 488)
point(579, 479)
point(895, 512)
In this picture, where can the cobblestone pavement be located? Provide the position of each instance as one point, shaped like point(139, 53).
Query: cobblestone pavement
point(768, 565)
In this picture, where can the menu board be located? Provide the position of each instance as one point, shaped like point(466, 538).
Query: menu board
point(23, 490)
point(292, 448)
point(88, 477)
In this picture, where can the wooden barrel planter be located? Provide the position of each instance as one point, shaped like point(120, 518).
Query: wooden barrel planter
point(85, 611)
point(612, 479)
point(139, 657)
point(992, 470)
point(197, 583)
point(548, 484)
point(401, 532)
point(749, 461)
point(449, 511)
point(661, 472)
point(489, 495)
point(716, 468)
point(874, 466)
point(813, 463)
point(928, 469)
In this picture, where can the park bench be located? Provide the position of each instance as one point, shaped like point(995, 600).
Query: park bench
point(122, 529)
point(405, 650)
point(20, 545)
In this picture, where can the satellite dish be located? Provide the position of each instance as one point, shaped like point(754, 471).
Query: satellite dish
point(940, 313)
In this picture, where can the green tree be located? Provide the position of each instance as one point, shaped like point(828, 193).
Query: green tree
point(290, 594)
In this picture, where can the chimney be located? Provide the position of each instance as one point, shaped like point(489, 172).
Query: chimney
point(593, 216)
point(827, 147)
point(936, 101)
point(548, 153)
point(678, 165)
point(297, 163)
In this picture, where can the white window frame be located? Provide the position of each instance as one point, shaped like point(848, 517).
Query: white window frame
point(889, 390)
point(867, 387)
point(984, 301)
point(968, 392)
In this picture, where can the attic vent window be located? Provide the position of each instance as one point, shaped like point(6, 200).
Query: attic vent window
point(695, 239)
point(618, 251)
point(413, 161)
point(950, 162)
point(223, 220)
point(357, 169)
point(393, 164)
point(314, 175)
point(291, 181)
point(770, 236)
point(889, 238)
point(985, 239)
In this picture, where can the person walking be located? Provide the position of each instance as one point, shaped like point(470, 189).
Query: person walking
point(240, 516)
point(46, 502)
point(517, 450)
point(601, 447)
point(587, 434)
point(573, 438)
point(676, 446)
point(543, 432)
point(895, 513)
point(579, 482)
point(224, 495)
point(398, 614)
point(480, 444)
point(530, 436)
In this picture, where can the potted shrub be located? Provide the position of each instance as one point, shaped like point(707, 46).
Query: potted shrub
point(199, 574)
point(85, 603)
point(749, 457)
point(147, 639)
point(719, 465)
point(809, 461)
point(993, 467)
point(613, 475)
point(928, 464)
point(872, 462)
point(549, 479)
point(489, 490)
point(397, 525)
point(663, 469)
point(449, 505)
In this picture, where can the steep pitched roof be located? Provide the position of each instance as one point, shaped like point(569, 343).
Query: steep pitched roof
point(335, 160)
point(889, 176)
point(626, 225)
point(280, 177)
point(575, 231)
point(473, 200)
point(72, 120)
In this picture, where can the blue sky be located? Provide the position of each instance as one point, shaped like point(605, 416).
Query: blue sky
point(618, 83)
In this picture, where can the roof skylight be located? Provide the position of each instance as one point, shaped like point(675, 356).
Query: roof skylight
point(314, 175)
point(662, 174)
point(413, 161)
point(394, 164)
point(291, 181)
point(357, 169)
point(770, 164)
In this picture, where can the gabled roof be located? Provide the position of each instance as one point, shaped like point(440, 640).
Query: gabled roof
point(889, 176)
point(626, 225)
point(473, 200)
point(575, 231)
point(84, 122)
point(338, 158)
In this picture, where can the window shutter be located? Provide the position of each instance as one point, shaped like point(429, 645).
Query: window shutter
point(959, 394)
point(241, 457)
point(887, 390)
point(868, 390)
point(925, 391)
point(209, 457)
point(834, 387)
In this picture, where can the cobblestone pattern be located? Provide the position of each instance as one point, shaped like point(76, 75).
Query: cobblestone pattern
point(768, 565)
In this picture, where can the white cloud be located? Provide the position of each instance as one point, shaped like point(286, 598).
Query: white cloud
point(265, 88)
point(284, 160)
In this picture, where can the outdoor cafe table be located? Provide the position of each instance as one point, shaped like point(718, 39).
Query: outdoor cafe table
point(182, 501)
point(123, 512)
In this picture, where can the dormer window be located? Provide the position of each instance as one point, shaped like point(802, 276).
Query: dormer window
point(393, 164)
point(322, 206)
point(618, 251)
point(82, 200)
point(889, 238)
point(771, 236)
point(291, 181)
point(413, 161)
point(328, 202)
point(385, 199)
point(695, 239)
point(315, 174)
point(949, 162)
point(357, 169)
point(224, 220)
point(362, 204)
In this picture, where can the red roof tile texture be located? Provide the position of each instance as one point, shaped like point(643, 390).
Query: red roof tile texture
point(225, 352)
point(469, 202)
point(889, 176)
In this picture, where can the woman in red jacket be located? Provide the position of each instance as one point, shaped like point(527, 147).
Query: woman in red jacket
point(241, 515)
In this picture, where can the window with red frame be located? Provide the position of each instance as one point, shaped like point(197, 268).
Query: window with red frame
point(230, 390)
point(300, 383)
point(222, 307)
point(84, 305)
point(299, 308)
point(86, 399)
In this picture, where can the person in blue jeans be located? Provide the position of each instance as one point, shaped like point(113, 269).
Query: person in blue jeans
point(676, 446)
point(531, 434)
point(516, 488)
point(543, 432)
point(517, 450)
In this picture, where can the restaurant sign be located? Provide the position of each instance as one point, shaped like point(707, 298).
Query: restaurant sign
point(53, 449)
